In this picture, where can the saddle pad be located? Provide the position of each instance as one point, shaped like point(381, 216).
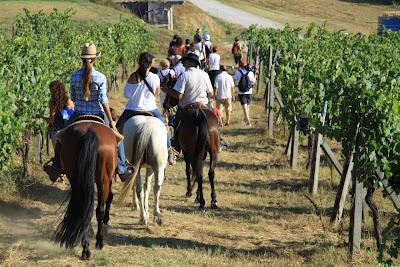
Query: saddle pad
point(60, 133)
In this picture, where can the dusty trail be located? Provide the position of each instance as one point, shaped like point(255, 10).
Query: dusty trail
point(234, 15)
point(264, 218)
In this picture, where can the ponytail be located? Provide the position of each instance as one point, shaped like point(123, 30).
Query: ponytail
point(145, 61)
point(87, 77)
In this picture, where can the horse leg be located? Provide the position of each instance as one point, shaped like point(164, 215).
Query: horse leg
point(140, 195)
point(100, 212)
point(147, 187)
point(159, 179)
point(375, 216)
point(86, 251)
point(108, 205)
point(189, 182)
point(135, 200)
point(211, 174)
point(199, 176)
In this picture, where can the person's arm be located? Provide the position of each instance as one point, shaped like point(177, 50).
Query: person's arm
point(209, 89)
point(104, 103)
point(157, 87)
point(72, 85)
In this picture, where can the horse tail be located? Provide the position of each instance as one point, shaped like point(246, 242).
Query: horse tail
point(140, 143)
point(202, 135)
point(79, 211)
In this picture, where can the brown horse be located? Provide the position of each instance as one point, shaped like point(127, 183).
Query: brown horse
point(88, 155)
point(198, 135)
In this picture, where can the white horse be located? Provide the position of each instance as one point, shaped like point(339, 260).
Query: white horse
point(145, 142)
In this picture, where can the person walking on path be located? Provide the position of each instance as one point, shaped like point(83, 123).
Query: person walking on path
point(224, 86)
point(213, 64)
point(180, 48)
point(197, 36)
point(245, 80)
point(237, 51)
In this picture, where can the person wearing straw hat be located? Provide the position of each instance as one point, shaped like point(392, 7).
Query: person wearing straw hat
point(89, 93)
point(193, 86)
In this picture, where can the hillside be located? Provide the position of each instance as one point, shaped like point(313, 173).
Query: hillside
point(352, 15)
point(187, 18)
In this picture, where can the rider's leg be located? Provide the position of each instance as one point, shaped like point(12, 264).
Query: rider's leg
point(175, 141)
point(171, 155)
point(123, 172)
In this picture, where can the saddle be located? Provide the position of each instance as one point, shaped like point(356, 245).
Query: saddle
point(86, 118)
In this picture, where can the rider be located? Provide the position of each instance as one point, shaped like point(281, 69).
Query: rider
point(142, 89)
point(89, 92)
point(193, 88)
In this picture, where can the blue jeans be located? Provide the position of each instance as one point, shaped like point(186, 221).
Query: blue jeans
point(156, 113)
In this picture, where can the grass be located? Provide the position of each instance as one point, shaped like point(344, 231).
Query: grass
point(264, 217)
point(351, 15)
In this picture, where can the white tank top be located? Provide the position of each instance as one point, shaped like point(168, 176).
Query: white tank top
point(139, 96)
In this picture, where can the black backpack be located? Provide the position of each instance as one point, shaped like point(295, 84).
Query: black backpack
point(208, 50)
point(168, 81)
point(244, 82)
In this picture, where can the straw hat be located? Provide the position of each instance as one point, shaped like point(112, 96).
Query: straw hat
point(89, 51)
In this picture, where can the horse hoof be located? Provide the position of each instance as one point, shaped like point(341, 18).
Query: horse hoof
point(143, 222)
point(202, 208)
point(159, 220)
point(85, 255)
point(188, 194)
point(214, 205)
point(196, 200)
point(99, 245)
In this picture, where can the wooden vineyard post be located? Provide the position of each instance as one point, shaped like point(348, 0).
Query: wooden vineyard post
point(295, 144)
point(316, 155)
point(260, 68)
point(288, 148)
point(359, 194)
point(271, 105)
point(266, 95)
point(37, 143)
point(342, 192)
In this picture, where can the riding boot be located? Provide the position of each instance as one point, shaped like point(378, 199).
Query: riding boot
point(54, 170)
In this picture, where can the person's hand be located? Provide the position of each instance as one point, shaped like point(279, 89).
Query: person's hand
point(113, 126)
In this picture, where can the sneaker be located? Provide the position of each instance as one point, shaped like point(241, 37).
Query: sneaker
point(172, 156)
point(222, 145)
point(126, 175)
point(52, 171)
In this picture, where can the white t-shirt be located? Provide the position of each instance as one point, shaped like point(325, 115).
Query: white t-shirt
point(163, 75)
point(223, 85)
point(214, 61)
point(252, 78)
point(194, 84)
point(202, 50)
point(139, 95)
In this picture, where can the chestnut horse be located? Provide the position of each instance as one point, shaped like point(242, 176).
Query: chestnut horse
point(198, 135)
point(89, 156)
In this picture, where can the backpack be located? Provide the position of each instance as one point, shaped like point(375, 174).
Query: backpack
point(167, 80)
point(208, 50)
point(235, 49)
point(244, 82)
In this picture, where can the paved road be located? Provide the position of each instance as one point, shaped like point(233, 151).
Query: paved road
point(234, 15)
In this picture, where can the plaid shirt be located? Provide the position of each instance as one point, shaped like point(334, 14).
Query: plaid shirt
point(98, 92)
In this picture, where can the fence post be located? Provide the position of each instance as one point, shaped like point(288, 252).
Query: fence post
point(271, 103)
point(37, 140)
point(359, 193)
point(295, 144)
point(316, 155)
point(341, 194)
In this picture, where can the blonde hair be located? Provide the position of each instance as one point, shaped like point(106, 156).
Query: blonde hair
point(164, 63)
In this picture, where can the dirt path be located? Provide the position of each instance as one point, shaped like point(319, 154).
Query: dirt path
point(234, 15)
point(263, 220)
